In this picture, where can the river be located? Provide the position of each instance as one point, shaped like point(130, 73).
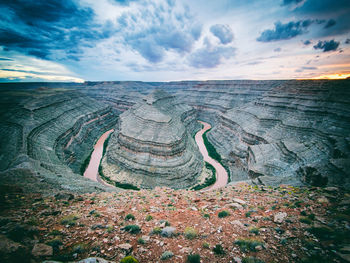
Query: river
point(91, 171)
point(221, 174)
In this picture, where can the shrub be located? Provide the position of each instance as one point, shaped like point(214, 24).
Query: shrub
point(193, 258)
point(129, 217)
point(132, 229)
point(190, 233)
point(54, 243)
point(69, 220)
point(166, 255)
point(129, 259)
point(305, 220)
point(252, 260)
point(254, 230)
point(80, 248)
point(206, 216)
point(55, 233)
point(157, 231)
point(247, 244)
point(206, 245)
point(141, 241)
point(218, 250)
point(248, 214)
point(148, 218)
point(223, 213)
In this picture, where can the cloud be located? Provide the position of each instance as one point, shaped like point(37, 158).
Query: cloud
point(123, 2)
point(277, 49)
point(327, 45)
point(41, 27)
point(347, 41)
point(307, 42)
point(210, 56)
point(284, 31)
point(330, 23)
point(222, 32)
point(158, 29)
point(289, 2)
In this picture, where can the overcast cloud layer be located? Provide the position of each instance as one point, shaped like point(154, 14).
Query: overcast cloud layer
point(162, 40)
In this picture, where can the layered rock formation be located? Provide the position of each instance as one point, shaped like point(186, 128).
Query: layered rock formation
point(47, 134)
point(153, 144)
point(274, 131)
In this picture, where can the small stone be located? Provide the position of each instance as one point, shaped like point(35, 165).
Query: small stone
point(322, 200)
point(239, 201)
point(331, 189)
point(126, 247)
point(93, 260)
point(237, 260)
point(236, 205)
point(238, 223)
point(258, 248)
point(279, 217)
point(294, 255)
point(42, 250)
point(64, 196)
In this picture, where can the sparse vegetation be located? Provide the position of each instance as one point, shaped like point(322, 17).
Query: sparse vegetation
point(156, 231)
point(129, 217)
point(85, 164)
point(166, 255)
point(223, 214)
point(254, 230)
point(132, 229)
point(190, 233)
point(148, 218)
point(252, 260)
point(129, 259)
point(247, 244)
point(209, 180)
point(218, 249)
point(69, 220)
point(193, 258)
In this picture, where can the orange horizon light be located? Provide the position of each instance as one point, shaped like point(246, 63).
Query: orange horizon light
point(333, 76)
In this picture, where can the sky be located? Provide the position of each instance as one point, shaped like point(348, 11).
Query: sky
point(168, 40)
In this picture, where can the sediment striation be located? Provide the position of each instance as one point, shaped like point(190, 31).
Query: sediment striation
point(271, 132)
point(153, 145)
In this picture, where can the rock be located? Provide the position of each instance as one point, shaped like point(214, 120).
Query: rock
point(279, 217)
point(237, 259)
point(42, 250)
point(126, 247)
point(64, 196)
point(94, 260)
point(331, 189)
point(11, 251)
point(146, 238)
point(238, 223)
point(168, 231)
point(153, 145)
point(239, 201)
point(19, 232)
point(236, 205)
point(322, 200)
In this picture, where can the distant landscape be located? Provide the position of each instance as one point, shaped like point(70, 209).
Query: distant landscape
point(136, 131)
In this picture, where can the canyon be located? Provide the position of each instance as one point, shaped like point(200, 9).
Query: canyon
point(266, 132)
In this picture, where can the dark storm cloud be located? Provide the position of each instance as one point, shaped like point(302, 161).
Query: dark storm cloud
point(330, 23)
point(347, 41)
point(307, 42)
point(336, 14)
point(39, 27)
point(284, 31)
point(222, 32)
point(327, 45)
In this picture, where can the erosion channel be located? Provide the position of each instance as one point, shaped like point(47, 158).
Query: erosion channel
point(91, 171)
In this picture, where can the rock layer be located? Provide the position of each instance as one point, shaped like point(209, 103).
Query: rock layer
point(153, 146)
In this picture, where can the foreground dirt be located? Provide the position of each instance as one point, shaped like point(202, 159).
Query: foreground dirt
point(283, 224)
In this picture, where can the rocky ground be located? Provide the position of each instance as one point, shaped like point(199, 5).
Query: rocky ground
point(239, 223)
